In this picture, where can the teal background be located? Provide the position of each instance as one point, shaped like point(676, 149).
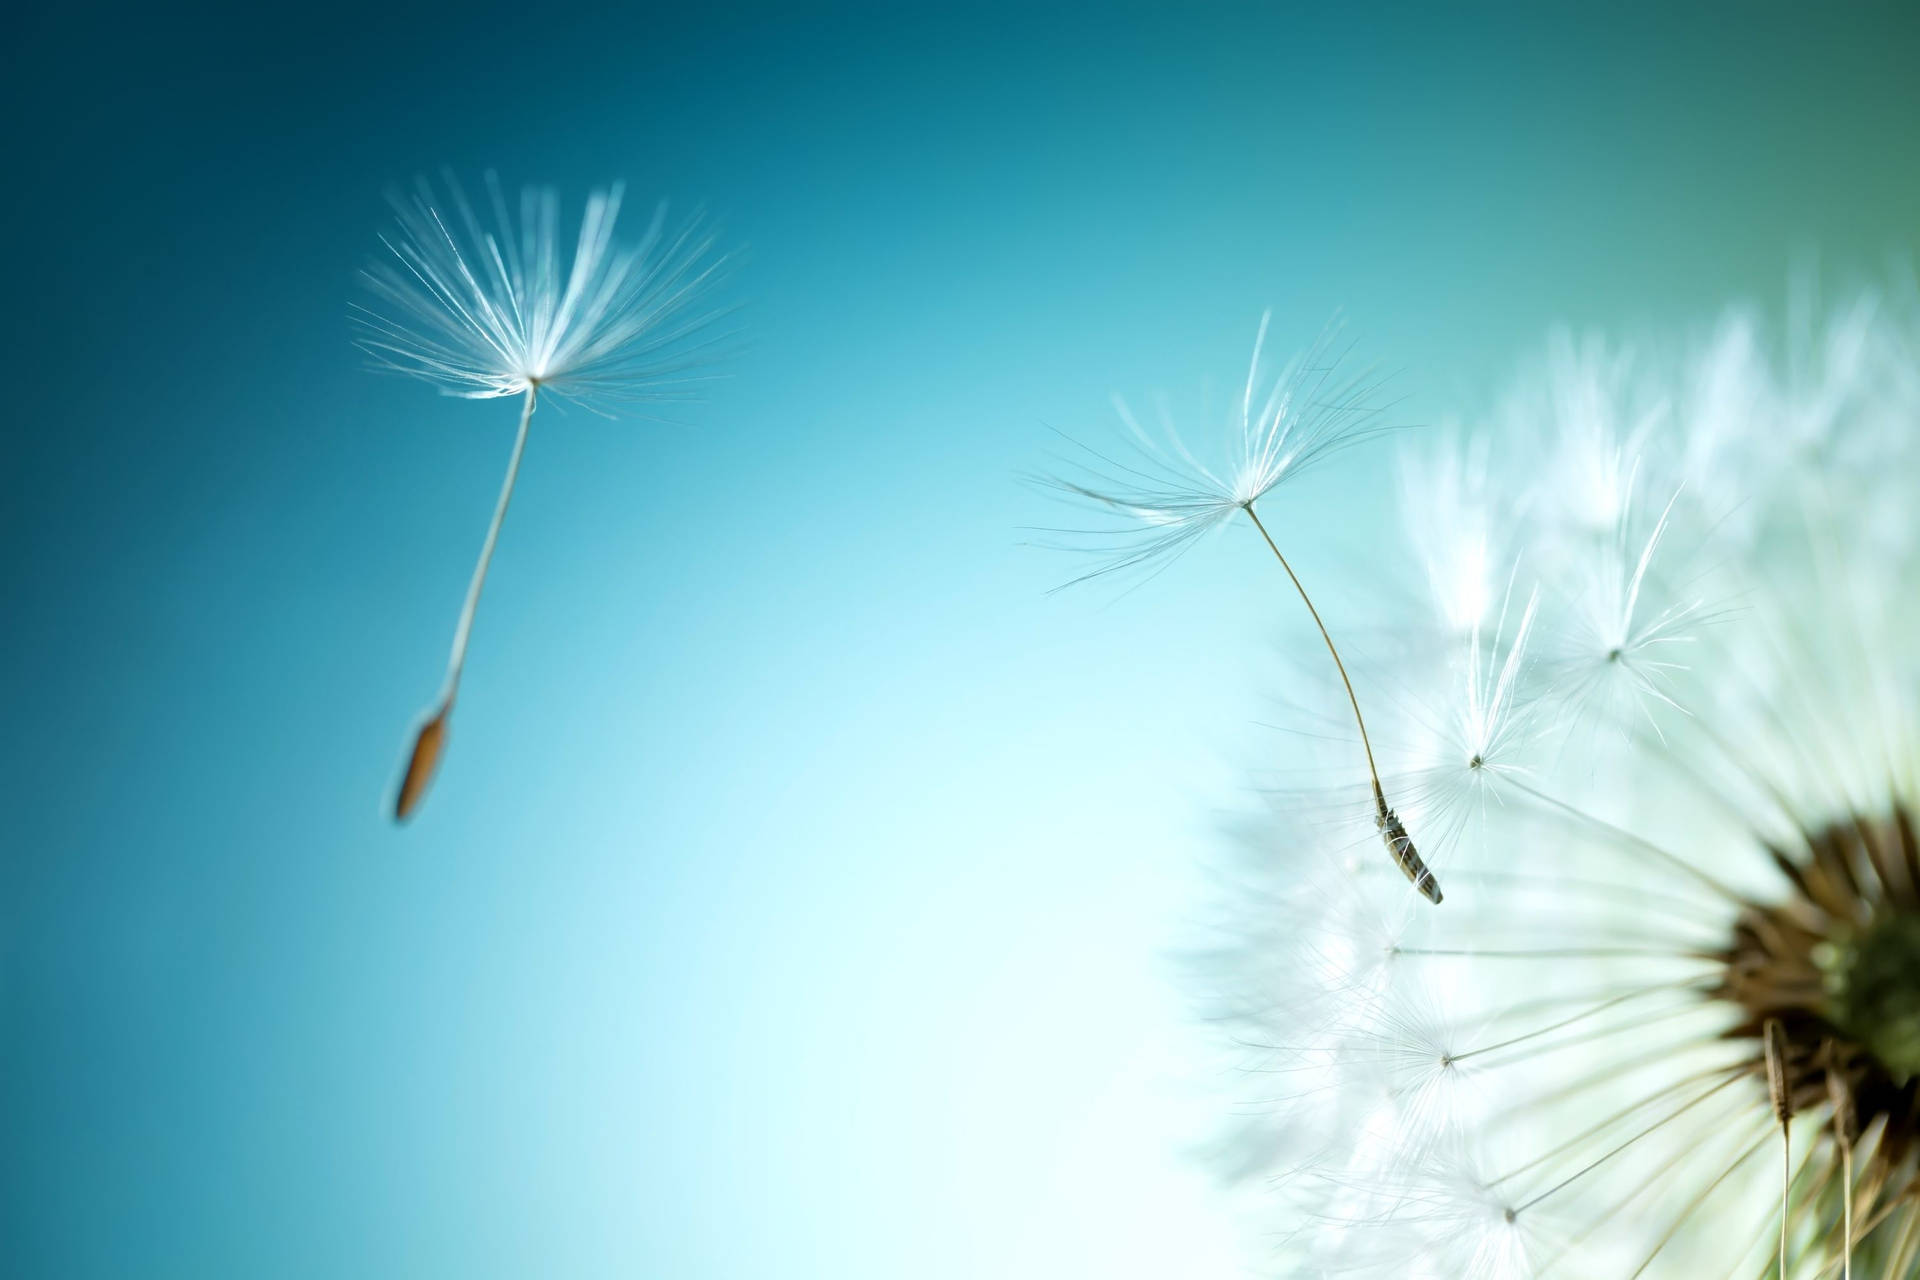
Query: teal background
point(797, 896)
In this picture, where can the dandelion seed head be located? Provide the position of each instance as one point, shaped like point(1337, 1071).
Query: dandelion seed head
point(498, 300)
point(1165, 491)
point(1665, 750)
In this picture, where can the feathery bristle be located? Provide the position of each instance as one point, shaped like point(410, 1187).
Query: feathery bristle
point(1672, 806)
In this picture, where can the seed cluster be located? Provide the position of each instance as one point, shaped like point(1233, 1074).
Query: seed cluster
point(1835, 968)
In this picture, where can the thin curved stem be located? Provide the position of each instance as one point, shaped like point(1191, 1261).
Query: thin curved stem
point(430, 739)
point(464, 631)
point(1780, 1093)
point(1340, 666)
point(1786, 1187)
point(1399, 844)
point(1846, 1203)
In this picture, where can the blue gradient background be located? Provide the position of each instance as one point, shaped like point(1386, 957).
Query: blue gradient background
point(795, 900)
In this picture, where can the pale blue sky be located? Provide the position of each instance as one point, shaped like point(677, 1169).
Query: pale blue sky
point(798, 893)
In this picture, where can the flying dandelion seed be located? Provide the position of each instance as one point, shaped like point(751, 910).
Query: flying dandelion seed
point(1168, 500)
point(493, 306)
point(1670, 1024)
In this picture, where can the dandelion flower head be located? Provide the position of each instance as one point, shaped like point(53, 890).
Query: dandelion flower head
point(1668, 1022)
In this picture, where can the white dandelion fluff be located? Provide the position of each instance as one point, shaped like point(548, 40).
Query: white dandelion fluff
point(1166, 499)
point(1669, 1023)
point(1165, 496)
point(496, 305)
point(1451, 517)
